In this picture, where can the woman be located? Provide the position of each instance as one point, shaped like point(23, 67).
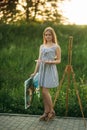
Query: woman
point(49, 56)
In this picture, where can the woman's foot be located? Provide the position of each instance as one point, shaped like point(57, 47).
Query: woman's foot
point(51, 115)
point(44, 117)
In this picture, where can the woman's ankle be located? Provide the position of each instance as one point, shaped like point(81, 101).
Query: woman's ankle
point(52, 111)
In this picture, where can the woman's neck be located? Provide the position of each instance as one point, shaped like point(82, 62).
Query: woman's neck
point(49, 43)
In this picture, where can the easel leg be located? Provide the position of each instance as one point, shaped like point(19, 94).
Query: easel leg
point(77, 93)
point(67, 93)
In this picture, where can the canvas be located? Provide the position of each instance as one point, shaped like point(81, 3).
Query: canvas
point(31, 86)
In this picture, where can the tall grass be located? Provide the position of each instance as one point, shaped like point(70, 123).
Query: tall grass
point(19, 48)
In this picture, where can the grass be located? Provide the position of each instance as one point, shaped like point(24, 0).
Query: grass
point(19, 48)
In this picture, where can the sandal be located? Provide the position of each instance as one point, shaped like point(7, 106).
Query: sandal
point(43, 117)
point(51, 115)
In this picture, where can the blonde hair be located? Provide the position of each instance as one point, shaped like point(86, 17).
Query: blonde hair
point(54, 37)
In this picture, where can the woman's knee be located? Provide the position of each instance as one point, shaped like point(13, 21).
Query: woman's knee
point(44, 91)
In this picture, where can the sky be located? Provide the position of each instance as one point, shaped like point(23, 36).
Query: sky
point(75, 11)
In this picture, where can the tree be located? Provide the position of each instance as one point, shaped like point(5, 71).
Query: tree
point(47, 10)
point(31, 10)
point(8, 10)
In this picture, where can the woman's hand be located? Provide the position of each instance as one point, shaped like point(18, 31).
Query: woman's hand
point(38, 61)
point(32, 75)
point(48, 62)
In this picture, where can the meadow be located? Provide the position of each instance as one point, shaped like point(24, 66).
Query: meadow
point(19, 48)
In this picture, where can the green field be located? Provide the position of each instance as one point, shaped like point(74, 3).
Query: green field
point(19, 48)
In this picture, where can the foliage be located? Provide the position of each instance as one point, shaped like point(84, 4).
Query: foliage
point(8, 10)
point(30, 10)
point(19, 47)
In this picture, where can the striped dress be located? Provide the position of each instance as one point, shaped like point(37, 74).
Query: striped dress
point(48, 75)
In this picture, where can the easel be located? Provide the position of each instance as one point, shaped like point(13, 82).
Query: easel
point(69, 71)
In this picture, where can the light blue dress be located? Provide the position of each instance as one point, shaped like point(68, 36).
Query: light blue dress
point(48, 74)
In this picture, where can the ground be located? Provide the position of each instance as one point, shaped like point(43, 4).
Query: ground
point(31, 122)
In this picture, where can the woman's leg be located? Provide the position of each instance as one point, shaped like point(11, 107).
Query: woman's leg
point(48, 105)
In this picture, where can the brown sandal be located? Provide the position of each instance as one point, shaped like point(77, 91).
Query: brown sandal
point(43, 117)
point(51, 115)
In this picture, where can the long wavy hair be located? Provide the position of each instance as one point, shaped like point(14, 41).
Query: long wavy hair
point(54, 37)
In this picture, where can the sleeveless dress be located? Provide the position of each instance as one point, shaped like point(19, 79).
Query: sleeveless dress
point(48, 75)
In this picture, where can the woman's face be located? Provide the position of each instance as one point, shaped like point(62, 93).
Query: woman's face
point(48, 36)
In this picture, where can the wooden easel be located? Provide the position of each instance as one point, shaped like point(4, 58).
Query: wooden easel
point(69, 71)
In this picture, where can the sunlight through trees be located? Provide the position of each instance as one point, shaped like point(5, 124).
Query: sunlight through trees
point(30, 10)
